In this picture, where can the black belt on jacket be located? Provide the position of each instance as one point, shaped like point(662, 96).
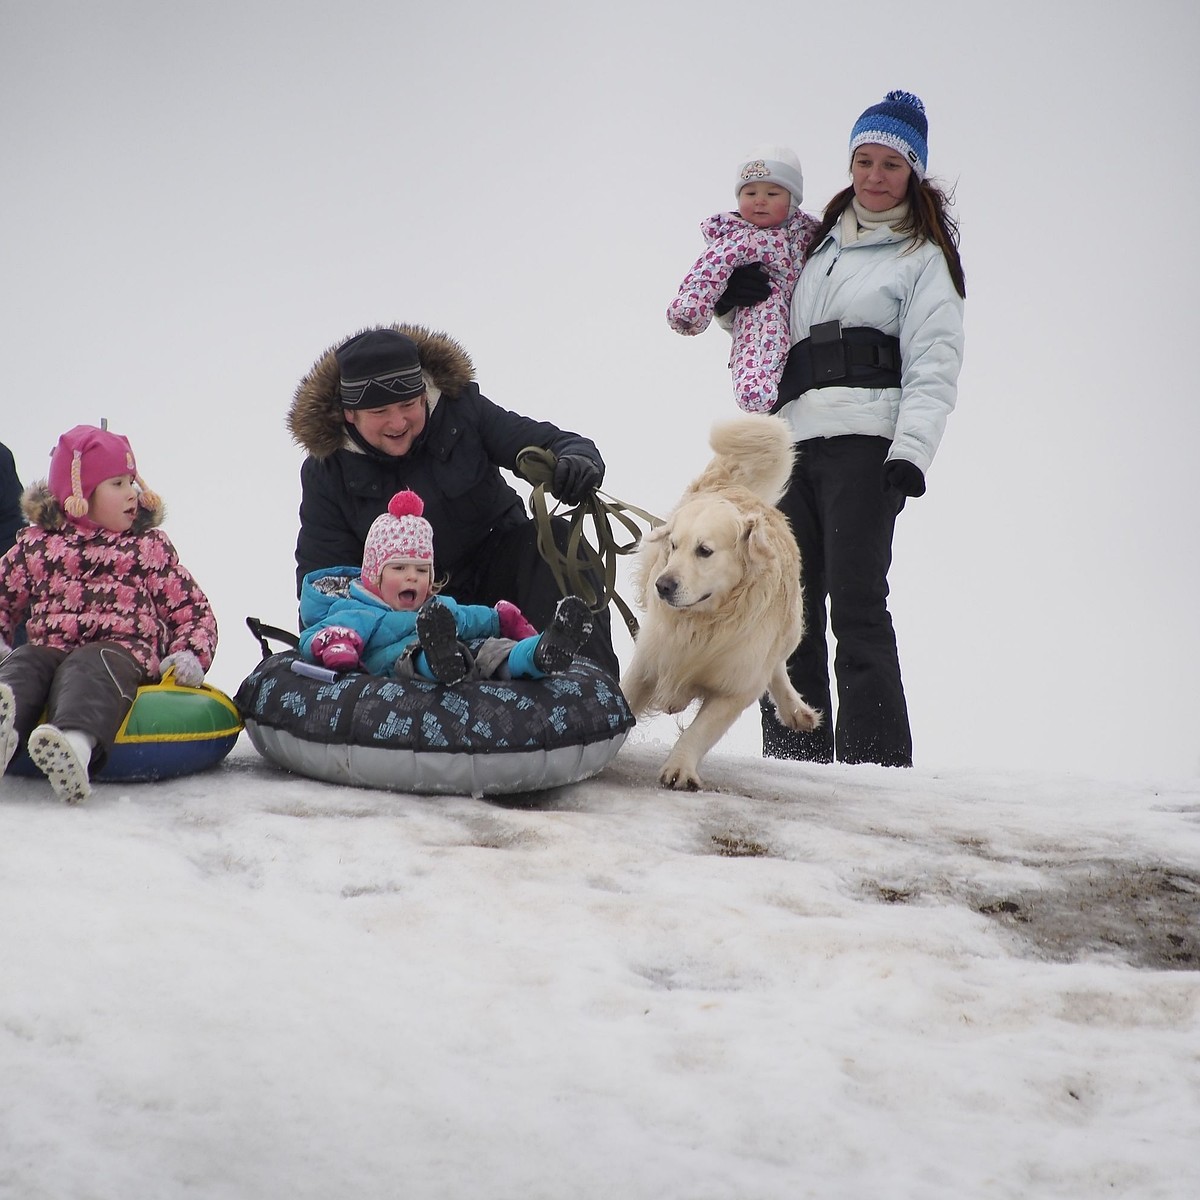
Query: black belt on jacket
point(831, 356)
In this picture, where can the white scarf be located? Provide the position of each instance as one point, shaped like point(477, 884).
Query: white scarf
point(857, 220)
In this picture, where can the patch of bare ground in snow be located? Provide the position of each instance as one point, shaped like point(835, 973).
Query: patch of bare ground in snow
point(1145, 915)
point(1149, 916)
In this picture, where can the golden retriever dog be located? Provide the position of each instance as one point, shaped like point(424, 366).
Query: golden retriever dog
point(719, 583)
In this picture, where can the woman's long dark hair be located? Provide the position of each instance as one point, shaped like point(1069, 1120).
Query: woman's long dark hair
point(928, 220)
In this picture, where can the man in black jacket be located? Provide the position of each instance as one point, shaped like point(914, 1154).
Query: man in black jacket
point(397, 407)
point(11, 519)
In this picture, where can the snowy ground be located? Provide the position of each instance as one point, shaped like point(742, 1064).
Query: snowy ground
point(808, 982)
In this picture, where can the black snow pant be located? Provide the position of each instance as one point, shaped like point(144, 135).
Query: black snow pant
point(89, 689)
point(508, 566)
point(843, 521)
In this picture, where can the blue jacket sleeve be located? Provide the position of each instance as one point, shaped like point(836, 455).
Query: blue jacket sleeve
point(473, 620)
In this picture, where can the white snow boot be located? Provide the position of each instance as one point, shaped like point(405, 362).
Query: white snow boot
point(8, 735)
point(63, 756)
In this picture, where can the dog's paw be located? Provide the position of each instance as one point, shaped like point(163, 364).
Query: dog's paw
point(679, 777)
point(797, 715)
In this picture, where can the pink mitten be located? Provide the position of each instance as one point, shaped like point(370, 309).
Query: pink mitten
point(512, 622)
point(337, 648)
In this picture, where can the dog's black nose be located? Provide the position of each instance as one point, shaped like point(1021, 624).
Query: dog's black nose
point(666, 586)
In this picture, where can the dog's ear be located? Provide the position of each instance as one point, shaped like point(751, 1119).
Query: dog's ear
point(756, 539)
point(652, 557)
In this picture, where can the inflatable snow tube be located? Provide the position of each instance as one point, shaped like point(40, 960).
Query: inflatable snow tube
point(168, 731)
point(479, 738)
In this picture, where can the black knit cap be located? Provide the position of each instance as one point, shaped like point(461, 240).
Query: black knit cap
point(378, 367)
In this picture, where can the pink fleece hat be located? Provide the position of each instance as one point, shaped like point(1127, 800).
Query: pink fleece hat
point(83, 459)
point(400, 535)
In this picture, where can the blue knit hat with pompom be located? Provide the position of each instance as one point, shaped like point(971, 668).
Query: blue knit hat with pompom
point(898, 121)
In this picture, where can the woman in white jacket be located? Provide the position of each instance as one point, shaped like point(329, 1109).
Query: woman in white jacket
point(872, 375)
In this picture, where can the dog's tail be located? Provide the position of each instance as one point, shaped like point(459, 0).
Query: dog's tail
point(757, 452)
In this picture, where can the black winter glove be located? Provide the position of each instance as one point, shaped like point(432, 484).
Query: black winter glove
point(575, 478)
point(902, 476)
point(747, 286)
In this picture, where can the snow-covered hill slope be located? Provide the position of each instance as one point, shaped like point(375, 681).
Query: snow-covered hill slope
point(826, 982)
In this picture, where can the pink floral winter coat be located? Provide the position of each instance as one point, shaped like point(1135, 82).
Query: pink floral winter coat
point(78, 583)
point(761, 338)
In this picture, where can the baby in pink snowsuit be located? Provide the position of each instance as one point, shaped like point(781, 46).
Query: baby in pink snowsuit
point(768, 228)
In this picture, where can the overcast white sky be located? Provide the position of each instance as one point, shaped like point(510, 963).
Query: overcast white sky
point(197, 200)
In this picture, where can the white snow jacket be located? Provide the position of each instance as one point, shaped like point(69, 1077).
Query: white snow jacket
point(760, 332)
point(883, 282)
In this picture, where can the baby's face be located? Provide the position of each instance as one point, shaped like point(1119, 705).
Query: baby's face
point(406, 586)
point(764, 204)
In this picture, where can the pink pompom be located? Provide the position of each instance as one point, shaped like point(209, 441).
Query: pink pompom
point(406, 504)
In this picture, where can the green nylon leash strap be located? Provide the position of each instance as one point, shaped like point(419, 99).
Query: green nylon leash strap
point(584, 562)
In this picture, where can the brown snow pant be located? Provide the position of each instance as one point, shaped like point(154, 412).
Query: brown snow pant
point(90, 689)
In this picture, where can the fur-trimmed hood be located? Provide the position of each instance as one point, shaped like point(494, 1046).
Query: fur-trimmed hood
point(42, 508)
point(315, 418)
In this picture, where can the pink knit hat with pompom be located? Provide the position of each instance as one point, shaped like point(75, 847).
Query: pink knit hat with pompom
point(83, 459)
point(400, 535)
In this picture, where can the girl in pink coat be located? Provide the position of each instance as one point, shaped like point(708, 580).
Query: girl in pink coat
point(106, 604)
point(770, 229)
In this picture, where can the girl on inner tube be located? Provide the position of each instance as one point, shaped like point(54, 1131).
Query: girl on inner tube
point(388, 617)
